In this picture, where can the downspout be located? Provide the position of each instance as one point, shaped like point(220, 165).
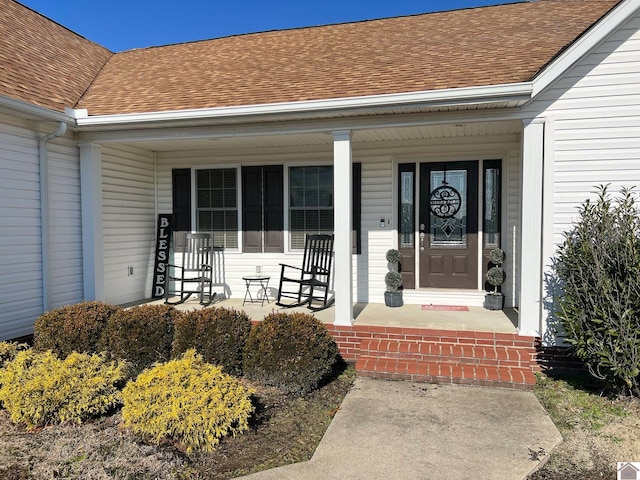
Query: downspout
point(44, 211)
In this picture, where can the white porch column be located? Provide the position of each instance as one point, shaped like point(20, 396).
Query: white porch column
point(342, 225)
point(531, 190)
point(92, 233)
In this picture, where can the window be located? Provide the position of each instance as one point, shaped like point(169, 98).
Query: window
point(261, 205)
point(310, 203)
point(406, 207)
point(492, 200)
point(217, 205)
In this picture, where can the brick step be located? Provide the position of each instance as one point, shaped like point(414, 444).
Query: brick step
point(521, 378)
point(448, 353)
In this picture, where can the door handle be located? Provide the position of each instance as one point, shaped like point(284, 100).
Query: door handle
point(422, 235)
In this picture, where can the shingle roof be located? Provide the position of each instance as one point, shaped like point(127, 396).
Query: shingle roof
point(42, 62)
point(461, 48)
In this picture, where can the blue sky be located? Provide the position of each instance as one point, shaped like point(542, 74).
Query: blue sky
point(124, 24)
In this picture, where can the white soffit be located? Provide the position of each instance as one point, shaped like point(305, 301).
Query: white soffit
point(457, 98)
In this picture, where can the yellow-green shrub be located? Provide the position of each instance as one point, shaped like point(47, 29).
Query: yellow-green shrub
point(188, 401)
point(9, 350)
point(37, 388)
point(72, 328)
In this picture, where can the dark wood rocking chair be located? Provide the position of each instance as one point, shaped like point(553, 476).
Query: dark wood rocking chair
point(310, 282)
point(194, 275)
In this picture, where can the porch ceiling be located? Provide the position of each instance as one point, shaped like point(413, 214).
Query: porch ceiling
point(316, 139)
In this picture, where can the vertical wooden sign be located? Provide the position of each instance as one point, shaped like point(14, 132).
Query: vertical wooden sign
point(163, 244)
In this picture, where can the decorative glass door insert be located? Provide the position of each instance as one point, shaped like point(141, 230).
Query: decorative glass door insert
point(448, 208)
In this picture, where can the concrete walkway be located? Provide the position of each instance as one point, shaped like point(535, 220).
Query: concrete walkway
point(402, 430)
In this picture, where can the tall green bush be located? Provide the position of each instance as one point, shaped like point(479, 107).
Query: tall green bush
point(72, 328)
point(598, 267)
point(218, 334)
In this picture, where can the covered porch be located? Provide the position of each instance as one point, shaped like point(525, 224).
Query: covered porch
point(423, 343)
point(133, 176)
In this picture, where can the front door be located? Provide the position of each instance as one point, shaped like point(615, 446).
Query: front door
point(448, 225)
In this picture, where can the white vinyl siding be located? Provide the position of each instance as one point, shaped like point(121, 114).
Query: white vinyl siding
point(65, 222)
point(21, 301)
point(596, 112)
point(20, 244)
point(129, 223)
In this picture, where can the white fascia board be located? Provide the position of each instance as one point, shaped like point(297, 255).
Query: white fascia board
point(471, 95)
point(584, 44)
point(35, 110)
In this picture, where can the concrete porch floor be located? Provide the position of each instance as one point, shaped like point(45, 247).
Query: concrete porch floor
point(377, 314)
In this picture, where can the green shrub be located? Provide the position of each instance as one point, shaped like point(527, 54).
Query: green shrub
point(37, 388)
point(496, 274)
point(293, 352)
point(72, 328)
point(598, 268)
point(141, 335)
point(393, 281)
point(393, 256)
point(218, 334)
point(188, 401)
point(9, 350)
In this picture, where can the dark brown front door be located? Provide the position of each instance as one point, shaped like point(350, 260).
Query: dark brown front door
point(448, 228)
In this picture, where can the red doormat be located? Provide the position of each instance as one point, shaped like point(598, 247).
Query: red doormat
point(451, 308)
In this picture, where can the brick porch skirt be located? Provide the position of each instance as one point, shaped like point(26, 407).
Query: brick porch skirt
point(440, 356)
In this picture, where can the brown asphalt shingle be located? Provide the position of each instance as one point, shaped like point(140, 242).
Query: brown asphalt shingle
point(42, 62)
point(463, 48)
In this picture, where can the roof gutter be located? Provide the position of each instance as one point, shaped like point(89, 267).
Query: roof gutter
point(44, 212)
point(36, 111)
point(520, 92)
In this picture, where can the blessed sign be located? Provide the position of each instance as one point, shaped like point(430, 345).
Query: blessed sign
point(163, 243)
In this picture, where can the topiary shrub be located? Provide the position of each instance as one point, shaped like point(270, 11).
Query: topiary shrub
point(293, 352)
point(218, 334)
point(72, 328)
point(393, 256)
point(37, 388)
point(141, 335)
point(496, 274)
point(598, 268)
point(9, 350)
point(188, 401)
point(393, 281)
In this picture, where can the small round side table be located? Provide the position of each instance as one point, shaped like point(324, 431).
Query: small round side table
point(263, 281)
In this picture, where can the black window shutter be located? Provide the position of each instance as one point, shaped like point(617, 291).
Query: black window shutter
point(273, 184)
point(181, 186)
point(356, 200)
point(252, 209)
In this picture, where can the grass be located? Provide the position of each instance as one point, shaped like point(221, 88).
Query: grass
point(598, 428)
point(285, 429)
